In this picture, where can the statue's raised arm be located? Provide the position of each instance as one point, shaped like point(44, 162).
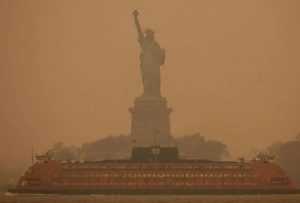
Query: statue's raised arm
point(137, 24)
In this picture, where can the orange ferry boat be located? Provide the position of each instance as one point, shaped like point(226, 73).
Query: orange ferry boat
point(155, 170)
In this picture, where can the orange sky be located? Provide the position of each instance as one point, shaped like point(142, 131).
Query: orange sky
point(69, 70)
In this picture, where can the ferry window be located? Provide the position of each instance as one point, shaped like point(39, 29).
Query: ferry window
point(33, 181)
point(228, 166)
point(279, 181)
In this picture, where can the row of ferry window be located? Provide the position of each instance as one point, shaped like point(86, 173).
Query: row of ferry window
point(141, 167)
point(157, 175)
point(157, 183)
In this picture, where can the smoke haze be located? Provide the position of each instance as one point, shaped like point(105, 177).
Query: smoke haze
point(69, 71)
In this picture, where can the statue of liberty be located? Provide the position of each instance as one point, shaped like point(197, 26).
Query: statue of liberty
point(151, 58)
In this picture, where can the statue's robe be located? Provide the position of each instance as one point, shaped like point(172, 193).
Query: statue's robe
point(152, 56)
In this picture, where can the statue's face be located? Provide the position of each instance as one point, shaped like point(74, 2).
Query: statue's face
point(149, 34)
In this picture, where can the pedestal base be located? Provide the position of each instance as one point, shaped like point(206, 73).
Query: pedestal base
point(150, 121)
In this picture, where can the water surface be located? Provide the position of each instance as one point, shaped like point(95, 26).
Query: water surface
point(11, 198)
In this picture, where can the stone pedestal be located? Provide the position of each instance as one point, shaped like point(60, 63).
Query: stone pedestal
point(150, 122)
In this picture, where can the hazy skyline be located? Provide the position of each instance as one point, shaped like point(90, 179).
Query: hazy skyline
point(69, 70)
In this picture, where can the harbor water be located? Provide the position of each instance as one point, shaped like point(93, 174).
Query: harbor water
point(12, 198)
